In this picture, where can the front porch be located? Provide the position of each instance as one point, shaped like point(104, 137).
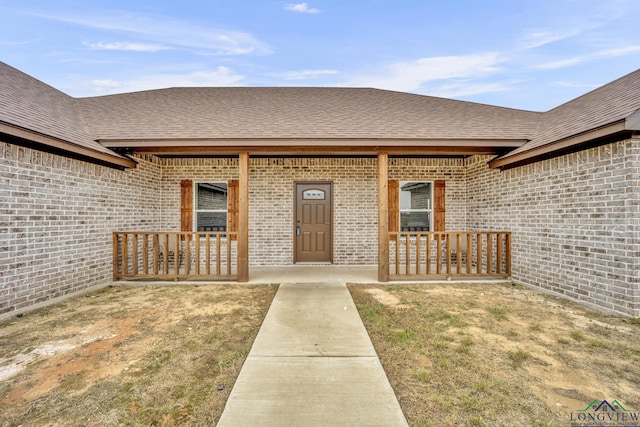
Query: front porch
point(366, 206)
point(364, 192)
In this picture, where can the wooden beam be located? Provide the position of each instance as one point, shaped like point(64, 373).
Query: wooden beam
point(383, 217)
point(116, 255)
point(243, 218)
point(251, 143)
point(316, 150)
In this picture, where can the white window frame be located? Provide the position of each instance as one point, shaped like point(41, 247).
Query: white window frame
point(195, 203)
point(429, 209)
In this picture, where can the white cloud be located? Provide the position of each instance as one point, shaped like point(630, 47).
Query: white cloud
point(221, 76)
point(129, 46)
point(105, 85)
point(575, 85)
point(18, 43)
point(462, 89)
point(563, 22)
point(410, 76)
point(305, 74)
point(539, 37)
point(301, 8)
point(562, 64)
point(161, 31)
point(602, 54)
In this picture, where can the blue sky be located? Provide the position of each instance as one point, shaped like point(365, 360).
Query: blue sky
point(528, 54)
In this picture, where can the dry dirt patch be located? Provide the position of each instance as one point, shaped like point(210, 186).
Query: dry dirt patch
point(384, 297)
point(129, 356)
point(497, 355)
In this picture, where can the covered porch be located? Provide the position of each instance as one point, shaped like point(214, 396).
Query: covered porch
point(402, 254)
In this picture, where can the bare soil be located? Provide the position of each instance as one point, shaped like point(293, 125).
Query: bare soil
point(498, 355)
point(129, 356)
point(456, 355)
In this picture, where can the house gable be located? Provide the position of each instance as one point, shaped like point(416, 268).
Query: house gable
point(35, 114)
point(606, 114)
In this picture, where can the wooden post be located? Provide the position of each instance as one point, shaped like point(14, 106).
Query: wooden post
point(165, 254)
point(208, 254)
point(176, 256)
point(499, 254)
point(383, 217)
point(448, 239)
point(125, 254)
point(145, 253)
point(243, 218)
point(116, 255)
point(134, 256)
point(438, 253)
point(418, 254)
point(489, 253)
point(407, 255)
point(196, 259)
point(428, 266)
point(219, 253)
point(508, 272)
point(478, 253)
point(458, 253)
point(156, 246)
point(468, 253)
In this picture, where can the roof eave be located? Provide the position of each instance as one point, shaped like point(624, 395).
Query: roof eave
point(310, 146)
point(59, 146)
point(563, 146)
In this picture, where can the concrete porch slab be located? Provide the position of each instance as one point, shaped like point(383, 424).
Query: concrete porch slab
point(309, 274)
point(314, 274)
point(304, 274)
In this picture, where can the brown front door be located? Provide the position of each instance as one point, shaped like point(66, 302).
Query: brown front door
point(313, 230)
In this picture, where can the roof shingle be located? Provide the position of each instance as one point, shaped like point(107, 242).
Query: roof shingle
point(298, 113)
point(605, 105)
point(30, 104)
point(177, 115)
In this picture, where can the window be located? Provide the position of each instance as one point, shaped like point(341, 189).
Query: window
point(211, 207)
point(416, 206)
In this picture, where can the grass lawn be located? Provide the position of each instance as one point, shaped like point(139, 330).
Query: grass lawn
point(129, 356)
point(496, 355)
point(491, 355)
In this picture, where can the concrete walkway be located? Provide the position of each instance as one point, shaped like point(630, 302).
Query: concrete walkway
point(312, 364)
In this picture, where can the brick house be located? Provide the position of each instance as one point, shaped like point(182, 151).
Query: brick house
point(211, 182)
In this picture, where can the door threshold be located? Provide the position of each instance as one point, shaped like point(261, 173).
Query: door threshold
point(313, 263)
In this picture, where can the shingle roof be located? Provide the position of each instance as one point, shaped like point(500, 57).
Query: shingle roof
point(603, 106)
point(30, 104)
point(178, 115)
point(298, 113)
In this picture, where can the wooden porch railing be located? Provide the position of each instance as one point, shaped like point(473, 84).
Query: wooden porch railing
point(174, 255)
point(447, 254)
